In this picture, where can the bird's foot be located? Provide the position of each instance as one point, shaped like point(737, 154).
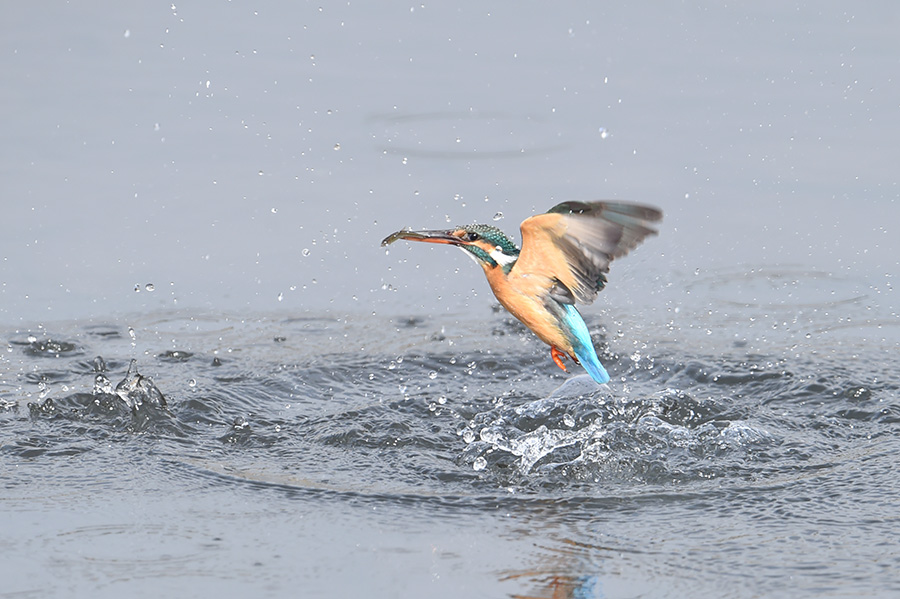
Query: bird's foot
point(558, 357)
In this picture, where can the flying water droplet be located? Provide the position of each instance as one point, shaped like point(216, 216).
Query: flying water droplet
point(305, 252)
point(498, 216)
point(150, 287)
point(479, 464)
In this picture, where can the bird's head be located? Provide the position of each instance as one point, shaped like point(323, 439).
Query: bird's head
point(488, 245)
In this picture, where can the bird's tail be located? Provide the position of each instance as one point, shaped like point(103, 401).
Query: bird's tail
point(583, 346)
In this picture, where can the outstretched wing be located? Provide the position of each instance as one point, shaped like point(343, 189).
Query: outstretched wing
point(574, 242)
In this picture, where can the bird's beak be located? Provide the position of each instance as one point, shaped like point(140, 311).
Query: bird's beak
point(427, 236)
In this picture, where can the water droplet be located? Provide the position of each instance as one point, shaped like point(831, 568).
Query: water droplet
point(568, 420)
point(432, 375)
point(305, 252)
point(150, 287)
point(192, 383)
point(274, 211)
point(337, 147)
point(280, 296)
point(498, 216)
point(603, 133)
point(479, 464)
point(137, 288)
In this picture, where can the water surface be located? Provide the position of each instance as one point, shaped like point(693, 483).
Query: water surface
point(215, 382)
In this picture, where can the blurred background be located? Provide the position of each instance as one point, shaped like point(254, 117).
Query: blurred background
point(250, 157)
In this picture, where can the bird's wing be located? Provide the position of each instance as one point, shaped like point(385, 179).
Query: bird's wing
point(574, 242)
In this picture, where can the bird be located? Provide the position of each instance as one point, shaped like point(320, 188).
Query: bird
point(563, 261)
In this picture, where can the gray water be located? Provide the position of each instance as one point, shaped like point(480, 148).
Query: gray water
point(216, 383)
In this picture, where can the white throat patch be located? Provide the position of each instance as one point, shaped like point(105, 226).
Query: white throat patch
point(470, 255)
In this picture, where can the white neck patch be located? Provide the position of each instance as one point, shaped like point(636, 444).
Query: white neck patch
point(501, 258)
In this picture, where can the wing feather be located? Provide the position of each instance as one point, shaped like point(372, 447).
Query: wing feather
point(574, 242)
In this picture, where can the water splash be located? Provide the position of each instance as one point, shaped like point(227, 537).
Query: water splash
point(137, 390)
point(586, 432)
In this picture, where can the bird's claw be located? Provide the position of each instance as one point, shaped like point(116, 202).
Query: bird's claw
point(558, 357)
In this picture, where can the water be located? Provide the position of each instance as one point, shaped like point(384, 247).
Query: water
point(214, 382)
point(395, 454)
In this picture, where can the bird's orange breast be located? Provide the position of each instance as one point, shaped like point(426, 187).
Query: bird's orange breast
point(523, 296)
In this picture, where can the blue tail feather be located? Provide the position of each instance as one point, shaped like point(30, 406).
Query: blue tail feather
point(583, 346)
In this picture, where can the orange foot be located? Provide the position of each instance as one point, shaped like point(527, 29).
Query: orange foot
point(558, 357)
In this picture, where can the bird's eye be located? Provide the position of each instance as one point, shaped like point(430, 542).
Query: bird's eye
point(472, 236)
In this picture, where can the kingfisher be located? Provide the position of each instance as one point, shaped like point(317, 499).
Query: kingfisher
point(564, 259)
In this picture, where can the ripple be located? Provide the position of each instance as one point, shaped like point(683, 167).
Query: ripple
point(441, 417)
point(47, 348)
point(773, 288)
